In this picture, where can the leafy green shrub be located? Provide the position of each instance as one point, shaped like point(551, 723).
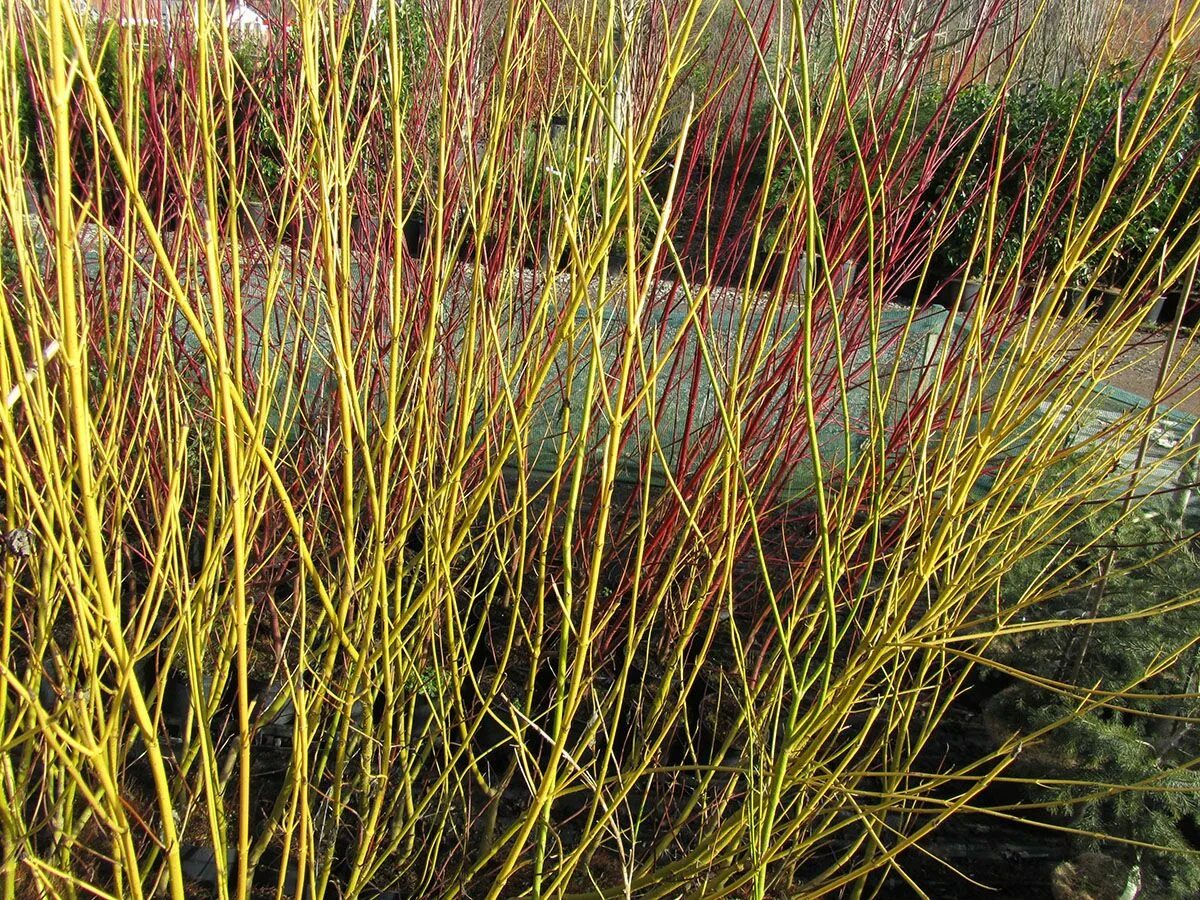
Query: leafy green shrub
point(266, 90)
point(1060, 145)
point(8, 261)
point(273, 67)
point(1051, 145)
point(1112, 694)
point(129, 96)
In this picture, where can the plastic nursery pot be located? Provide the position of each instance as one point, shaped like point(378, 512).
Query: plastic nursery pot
point(1154, 313)
point(1095, 303)
point(254, 216)
point(794, 276)
point(963, 292)
point(843, 278)
point(1047, 300)
point(1101, 301)
point(1170, 308)
point(366, 230)
point(274, 220)
point(788, 274)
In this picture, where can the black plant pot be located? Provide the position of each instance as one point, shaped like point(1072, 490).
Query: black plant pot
point(1170, 308)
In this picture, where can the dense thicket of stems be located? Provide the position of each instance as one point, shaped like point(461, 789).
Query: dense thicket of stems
point(475, 449)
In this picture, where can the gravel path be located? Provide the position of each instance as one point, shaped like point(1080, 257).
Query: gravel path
point(1137, 367)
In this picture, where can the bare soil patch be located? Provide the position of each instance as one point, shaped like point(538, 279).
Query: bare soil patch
point(1137, 367)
